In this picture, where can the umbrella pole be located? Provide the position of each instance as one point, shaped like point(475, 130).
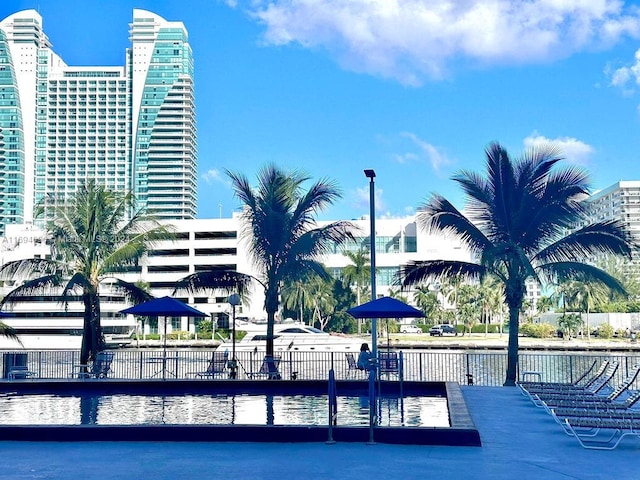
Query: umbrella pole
point(164, 351)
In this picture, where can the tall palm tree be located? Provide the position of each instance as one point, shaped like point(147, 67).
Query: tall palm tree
point(358, 273)
point(519, 218)
point(91, 239)
point(283, 237)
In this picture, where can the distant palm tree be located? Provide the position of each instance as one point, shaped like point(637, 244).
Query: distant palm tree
point(283, 237)
point(298, 295)
point(358, 273)
point(90, 241)
point(519, 216)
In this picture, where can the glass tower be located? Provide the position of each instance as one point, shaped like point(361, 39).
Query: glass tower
point(131, 128)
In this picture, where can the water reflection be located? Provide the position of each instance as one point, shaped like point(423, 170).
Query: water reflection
point(216, 410)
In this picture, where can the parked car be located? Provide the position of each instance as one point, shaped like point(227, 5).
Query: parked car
point(439, 330)
point(410, 329)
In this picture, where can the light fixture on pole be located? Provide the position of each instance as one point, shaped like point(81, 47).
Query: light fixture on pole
point(234, 301)
point(371, 175)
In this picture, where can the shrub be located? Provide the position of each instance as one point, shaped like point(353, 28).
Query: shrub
point(492, 328)
point(605, 331)
point(179, 335)
point(537, 330)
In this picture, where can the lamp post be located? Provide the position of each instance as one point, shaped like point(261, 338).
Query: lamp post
point(371, 175)
point(234, 301)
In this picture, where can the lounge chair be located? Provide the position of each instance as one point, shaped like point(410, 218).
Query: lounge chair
point(582, 382)
point(265, 371)
point(577, 400)
point(593, 388)
point(602, 433)
point(217, 366)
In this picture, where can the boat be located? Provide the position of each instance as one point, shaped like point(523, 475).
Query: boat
point(294, 338)
point(42, 323)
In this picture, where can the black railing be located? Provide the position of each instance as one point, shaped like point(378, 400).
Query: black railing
point(483, 367)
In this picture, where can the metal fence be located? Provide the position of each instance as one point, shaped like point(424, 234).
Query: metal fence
point(484, 367)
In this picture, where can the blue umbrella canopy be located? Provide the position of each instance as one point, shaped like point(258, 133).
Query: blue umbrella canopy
point(164, 307)
point(385, 307)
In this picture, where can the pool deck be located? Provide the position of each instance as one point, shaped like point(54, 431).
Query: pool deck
point(519, 441)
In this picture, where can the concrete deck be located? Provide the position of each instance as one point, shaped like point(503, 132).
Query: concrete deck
point(519, 441)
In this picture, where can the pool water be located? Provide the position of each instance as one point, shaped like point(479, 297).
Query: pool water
point(238, 409)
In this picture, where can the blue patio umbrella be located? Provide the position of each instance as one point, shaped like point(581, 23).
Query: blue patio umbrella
point(385, 307)
point(164, 307)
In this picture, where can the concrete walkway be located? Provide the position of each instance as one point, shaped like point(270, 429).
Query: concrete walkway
point(519, 442)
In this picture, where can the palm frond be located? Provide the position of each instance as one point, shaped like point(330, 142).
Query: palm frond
point(559, 272)
point(415, 273)
point(36, 286)
point(228, 281)
point(29, 267)
point(9, 332)
point(439, 215)
point(596, 239)
point(132, 292)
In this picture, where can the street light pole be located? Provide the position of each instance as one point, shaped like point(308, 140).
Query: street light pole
point(371, 175)
point(234, 301)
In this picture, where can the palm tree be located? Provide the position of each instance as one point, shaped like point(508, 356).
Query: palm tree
point(283, 238)
point(91, 239)
point(358, 273)
point(298, 295)
point(519, 216)
point(587, 296)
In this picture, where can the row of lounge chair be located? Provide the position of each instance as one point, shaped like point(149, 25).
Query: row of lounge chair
point(590, 409)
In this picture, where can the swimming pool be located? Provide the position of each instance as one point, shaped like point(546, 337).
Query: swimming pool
point(244, 411)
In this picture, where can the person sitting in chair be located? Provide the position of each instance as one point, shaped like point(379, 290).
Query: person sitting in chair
point(365, 358)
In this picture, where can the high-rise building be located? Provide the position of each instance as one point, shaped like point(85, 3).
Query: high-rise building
point(131, 128)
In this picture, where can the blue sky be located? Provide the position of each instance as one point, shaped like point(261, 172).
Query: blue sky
point(415, 89)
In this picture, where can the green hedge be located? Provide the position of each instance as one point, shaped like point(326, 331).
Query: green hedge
point(491, 328)
point(538, 330)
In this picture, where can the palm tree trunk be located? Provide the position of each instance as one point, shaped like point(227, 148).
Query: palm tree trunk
point(512, 351)
point(271, 305)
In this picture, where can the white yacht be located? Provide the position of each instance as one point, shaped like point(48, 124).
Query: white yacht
point(42, 322)
point(294, 338)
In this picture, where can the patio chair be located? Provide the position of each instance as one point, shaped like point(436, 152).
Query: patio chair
point(352, 365)
point(264, 370)
point(100, 368)
point(217, 366)
point(388, 363)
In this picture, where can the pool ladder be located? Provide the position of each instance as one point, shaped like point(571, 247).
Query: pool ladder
point(333, 405)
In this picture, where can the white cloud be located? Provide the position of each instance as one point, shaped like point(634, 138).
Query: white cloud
point(414, 40)
point(626, 77)
point(212, 176)
point(570, 148)
point(426, 151)
point(361, 200)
